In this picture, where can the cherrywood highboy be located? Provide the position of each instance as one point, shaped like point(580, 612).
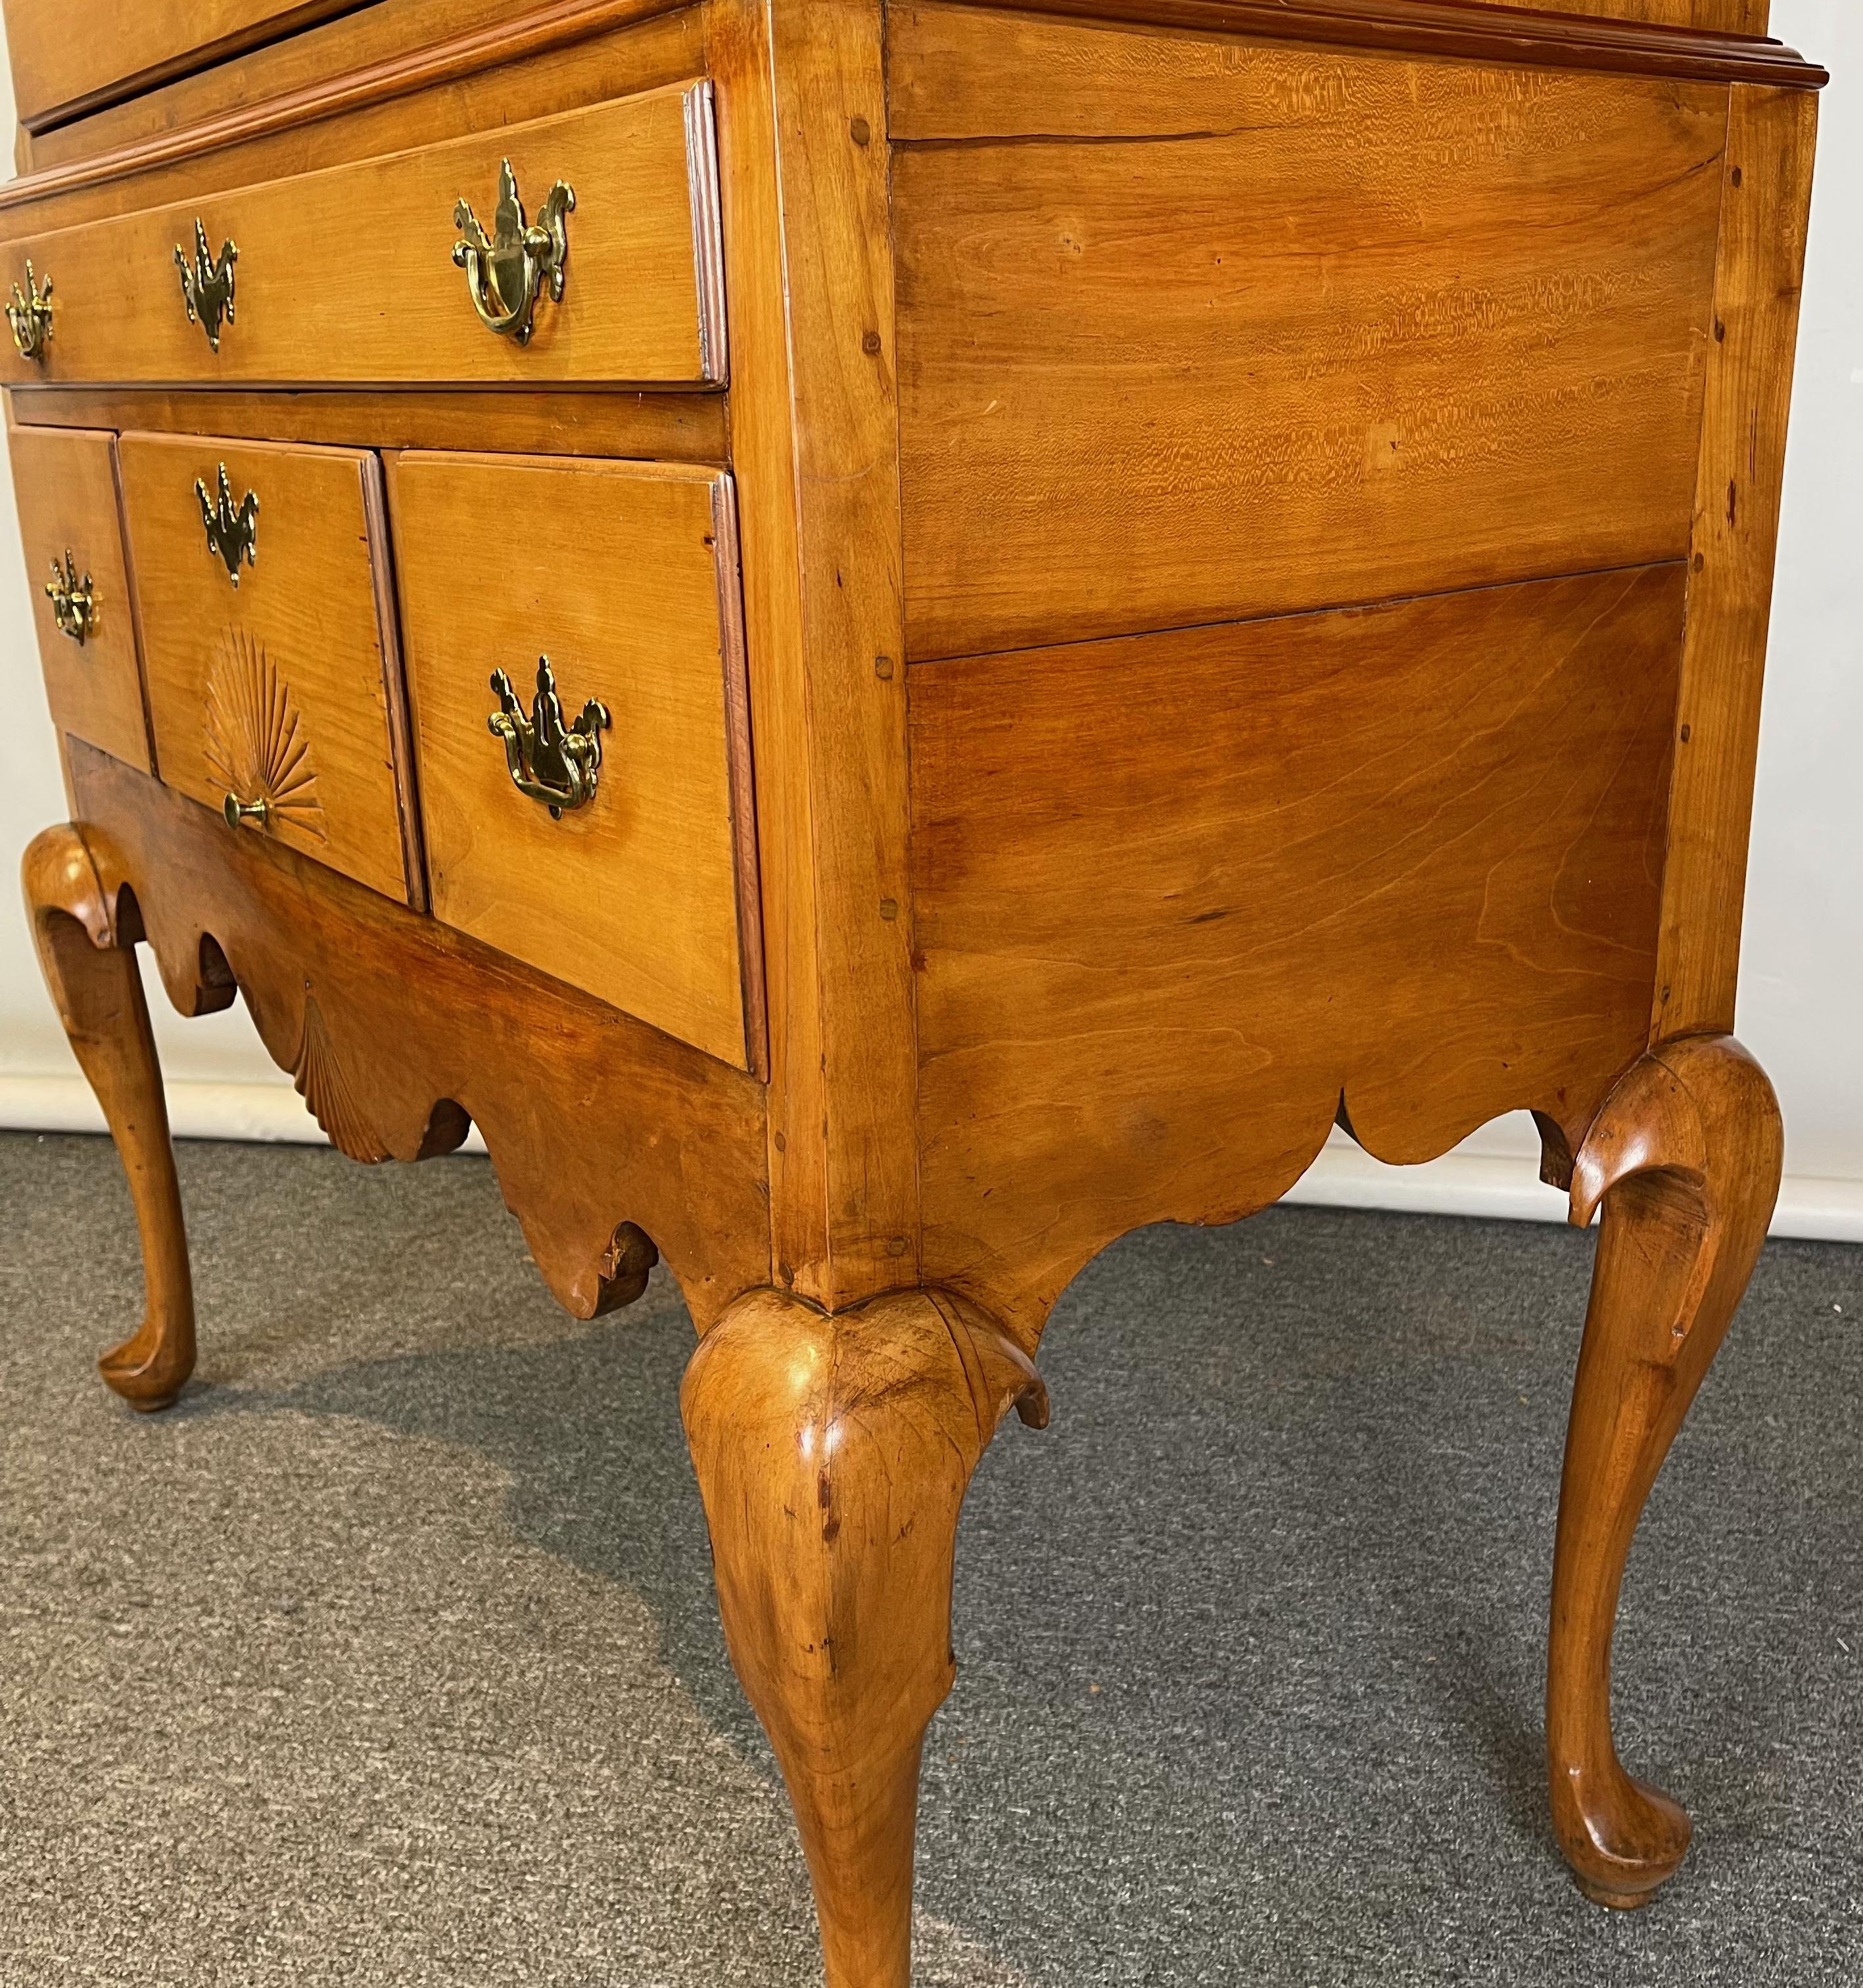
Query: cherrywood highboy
point(889, 640)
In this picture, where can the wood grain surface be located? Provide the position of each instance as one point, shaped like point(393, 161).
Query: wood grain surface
point(65, 483)
point(1393, 328)
point(381, 36)
point(964, 69)
point(641, 303)
point(814, 446)
point(1684, 1159)
point(834, 1455)
point(600, 1127)
point(63, 59)
point(285, 96)
point(625, 576)
point(87, 953)
point(364, 67)
point(1177, 894)
point(666, 427)
point(297, 668)
point(1726, 17)
point(1596, 38)
point(1772, 135)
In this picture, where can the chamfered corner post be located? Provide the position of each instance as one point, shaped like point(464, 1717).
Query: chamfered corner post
point(1684, 1159)
point(88, 960)
point(832, 1454)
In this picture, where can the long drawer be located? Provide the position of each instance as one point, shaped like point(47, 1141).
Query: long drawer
point(579, 247)
point(269, 643)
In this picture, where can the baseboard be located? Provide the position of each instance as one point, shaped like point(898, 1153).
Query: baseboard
point(197, 1109)
point(1510, 1188)
point(1503, 1186)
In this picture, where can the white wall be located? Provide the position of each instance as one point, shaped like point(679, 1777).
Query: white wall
point(1803, 955)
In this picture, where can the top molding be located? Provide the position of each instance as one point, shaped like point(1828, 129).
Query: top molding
point(1466, 30)
point(558, 25)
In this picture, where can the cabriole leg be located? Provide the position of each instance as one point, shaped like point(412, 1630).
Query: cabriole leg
point(834, 1455)
point(91, 971)
point(1685, 1158)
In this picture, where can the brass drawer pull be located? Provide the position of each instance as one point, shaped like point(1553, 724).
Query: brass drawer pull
point(207, 286)
point(237, 810)
point(29, 313)
point(556, 764)
point(74, 601)
point(506, 271)
point(232, 534)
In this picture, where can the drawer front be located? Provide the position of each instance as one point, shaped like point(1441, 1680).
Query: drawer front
point(66, 58)
point(349, 275)
point(625, 576)
point(71, 526)
point(274, 678)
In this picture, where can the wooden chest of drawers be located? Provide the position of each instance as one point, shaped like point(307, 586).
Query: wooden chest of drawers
point(889, 639)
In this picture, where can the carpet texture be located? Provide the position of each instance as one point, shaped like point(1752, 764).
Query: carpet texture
point(389, 1656)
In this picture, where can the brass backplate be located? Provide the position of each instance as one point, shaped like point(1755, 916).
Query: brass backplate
point(206, 285)
point(74, 601)
point(28, 311)
point(232, 534)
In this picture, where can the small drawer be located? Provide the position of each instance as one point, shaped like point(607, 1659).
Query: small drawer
point(350, 275)
point(624, 575)
point(71, 524)
point(268, 640)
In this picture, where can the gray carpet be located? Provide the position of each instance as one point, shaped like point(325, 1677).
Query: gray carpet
point(390, 1657)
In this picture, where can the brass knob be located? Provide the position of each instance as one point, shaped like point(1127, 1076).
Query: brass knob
point(74, 601)
point(29, 313)
point(236, 811)
point(557, 764)
point(507, 270)
point(206, 285)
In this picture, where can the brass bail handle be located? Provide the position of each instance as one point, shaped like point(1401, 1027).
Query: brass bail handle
point(557, 764)
point(508, 272)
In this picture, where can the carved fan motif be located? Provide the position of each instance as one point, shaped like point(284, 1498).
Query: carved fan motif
point(324, 1087)
point(256, 746)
